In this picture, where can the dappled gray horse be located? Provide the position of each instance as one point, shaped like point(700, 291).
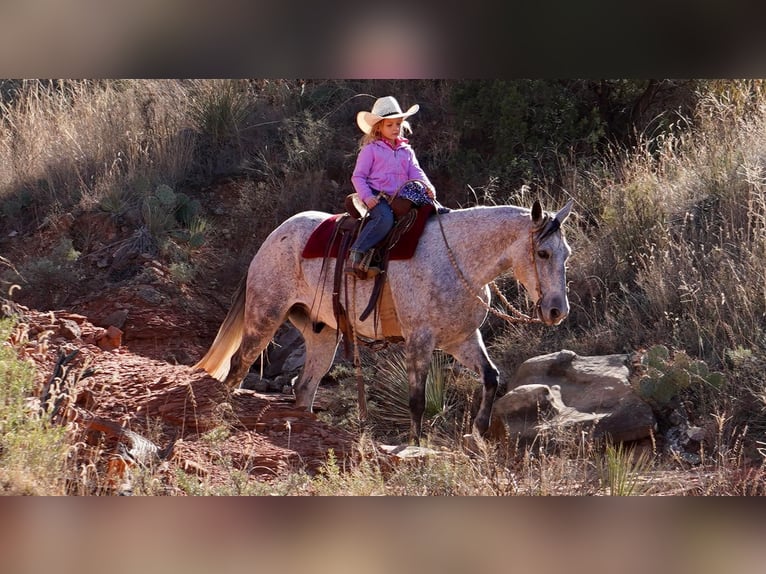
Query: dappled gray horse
point(441, 297)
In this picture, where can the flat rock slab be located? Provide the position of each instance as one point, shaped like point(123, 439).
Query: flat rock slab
point(407, 451)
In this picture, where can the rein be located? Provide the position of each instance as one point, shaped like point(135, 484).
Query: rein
point(515, 316)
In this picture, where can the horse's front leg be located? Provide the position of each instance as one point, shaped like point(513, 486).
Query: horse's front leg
point(473, 354)
point(418, 349)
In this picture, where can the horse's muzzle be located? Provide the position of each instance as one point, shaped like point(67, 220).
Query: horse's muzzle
point(552, 313)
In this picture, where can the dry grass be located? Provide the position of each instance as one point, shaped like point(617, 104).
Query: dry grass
point(86, 140)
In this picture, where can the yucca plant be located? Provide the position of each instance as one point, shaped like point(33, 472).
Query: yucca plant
point(621, 469)
point(389, 392)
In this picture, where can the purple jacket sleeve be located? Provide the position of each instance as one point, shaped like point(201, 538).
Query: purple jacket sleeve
point(362, 171)
point(416, 172)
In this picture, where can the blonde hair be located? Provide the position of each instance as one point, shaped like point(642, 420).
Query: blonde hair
point(375, 133)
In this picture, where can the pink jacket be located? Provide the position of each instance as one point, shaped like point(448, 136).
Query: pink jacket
point(384, 168)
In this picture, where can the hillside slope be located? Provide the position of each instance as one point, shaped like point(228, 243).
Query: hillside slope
point(143, 389)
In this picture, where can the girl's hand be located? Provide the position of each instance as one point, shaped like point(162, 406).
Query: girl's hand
point(431, 192)
point(371, 202)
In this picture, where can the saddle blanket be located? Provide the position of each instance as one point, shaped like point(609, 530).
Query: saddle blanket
point(316, 246)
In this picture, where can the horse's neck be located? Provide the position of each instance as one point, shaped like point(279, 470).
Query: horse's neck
point(487, 240)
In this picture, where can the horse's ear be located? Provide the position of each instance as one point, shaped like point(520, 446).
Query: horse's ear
point(537, 212)
point(565, 211)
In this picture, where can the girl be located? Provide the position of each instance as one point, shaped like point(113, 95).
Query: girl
point(386, 162)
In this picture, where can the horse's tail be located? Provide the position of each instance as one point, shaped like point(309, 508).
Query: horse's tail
point(217, 360)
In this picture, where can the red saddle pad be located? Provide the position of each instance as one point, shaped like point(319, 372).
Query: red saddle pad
point(316, 246)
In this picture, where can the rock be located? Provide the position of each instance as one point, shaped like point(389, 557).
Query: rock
point(281, 384)
point(69, 329)
point(294, 361)
point(563, 389)
point(684, 440)
point(179, 357)
point(527, 410)
point(255, 383)
point(275, 385)
point(526, 398)
point(116, 319)
point(110, 339)
point(404, 451)
point(149, 294)
point(696, 434)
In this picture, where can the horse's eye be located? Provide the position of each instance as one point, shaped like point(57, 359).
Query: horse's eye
point(542, 254)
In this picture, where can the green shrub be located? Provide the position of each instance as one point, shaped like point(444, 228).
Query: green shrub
point(51, 279)
point(32, 451)
point(621, 469)
point(519, 130)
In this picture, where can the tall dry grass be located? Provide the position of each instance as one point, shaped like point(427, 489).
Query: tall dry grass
point(78, 143)
point(679, 243)
point(670, 246)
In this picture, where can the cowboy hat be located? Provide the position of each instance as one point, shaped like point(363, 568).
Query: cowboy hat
point(383, 108)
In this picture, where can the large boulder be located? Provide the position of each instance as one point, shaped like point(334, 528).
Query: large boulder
point(563, 389)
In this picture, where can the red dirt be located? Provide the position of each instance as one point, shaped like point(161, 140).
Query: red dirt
point(166, 403)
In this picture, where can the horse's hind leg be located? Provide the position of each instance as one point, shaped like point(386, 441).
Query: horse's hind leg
point(259, 329)
point(473, 354)
point(242, 360)
point(320, 352)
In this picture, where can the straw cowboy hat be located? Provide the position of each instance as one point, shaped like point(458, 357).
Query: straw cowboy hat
point(387, 108)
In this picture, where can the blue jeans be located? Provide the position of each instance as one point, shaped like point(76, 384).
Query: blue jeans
point(380, 220)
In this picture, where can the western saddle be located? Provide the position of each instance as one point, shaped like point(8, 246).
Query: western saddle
point(346, 231)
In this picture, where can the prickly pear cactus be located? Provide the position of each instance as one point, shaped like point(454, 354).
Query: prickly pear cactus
point(165, 195)
point(186, 209)
point(176, 214)
point(667, 374)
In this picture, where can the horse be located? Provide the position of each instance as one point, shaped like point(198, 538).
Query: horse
point(441, 296)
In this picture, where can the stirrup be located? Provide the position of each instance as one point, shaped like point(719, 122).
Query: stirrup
point(355, 264)
point(359, 264)
point(366, 264)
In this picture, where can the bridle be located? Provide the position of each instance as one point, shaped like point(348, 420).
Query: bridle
point(548, 227)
